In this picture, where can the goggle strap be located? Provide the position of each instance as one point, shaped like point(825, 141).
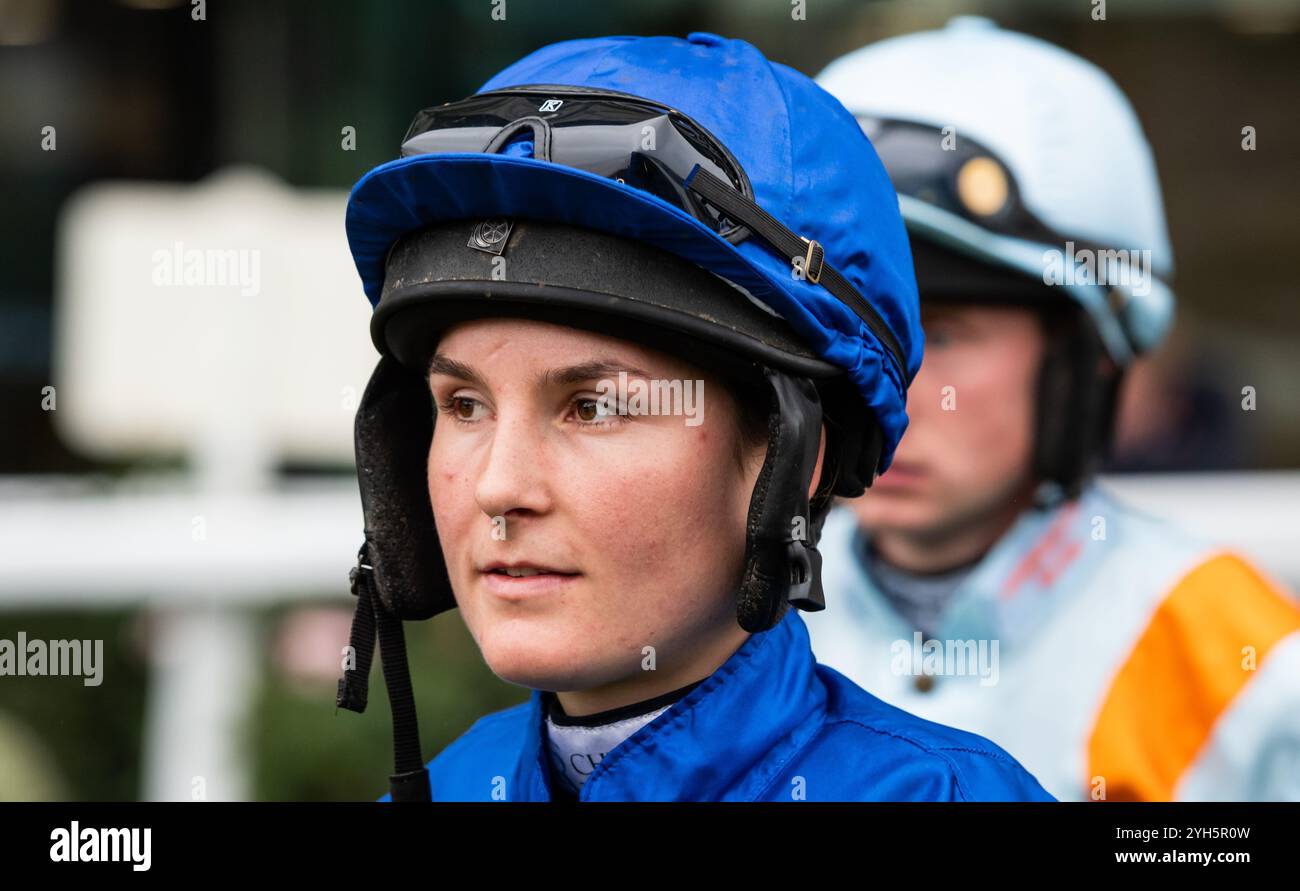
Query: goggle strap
point(541, 137)
point(767, 227)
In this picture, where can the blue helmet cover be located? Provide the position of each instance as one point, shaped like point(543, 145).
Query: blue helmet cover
point(806, 157)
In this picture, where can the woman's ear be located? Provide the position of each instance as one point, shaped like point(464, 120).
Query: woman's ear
point(817, 471)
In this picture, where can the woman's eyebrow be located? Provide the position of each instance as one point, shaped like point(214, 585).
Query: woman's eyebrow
point(585, 371)
point(440, 364)
point(569, 374)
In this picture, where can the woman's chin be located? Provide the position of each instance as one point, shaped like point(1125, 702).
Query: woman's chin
point(532, 663)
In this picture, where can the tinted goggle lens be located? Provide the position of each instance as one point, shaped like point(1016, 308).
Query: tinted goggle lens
point(953, 172)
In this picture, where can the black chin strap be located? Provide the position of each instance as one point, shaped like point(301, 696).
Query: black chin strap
point(410, 780)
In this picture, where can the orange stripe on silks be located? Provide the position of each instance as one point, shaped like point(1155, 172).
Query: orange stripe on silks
point(1184, 670)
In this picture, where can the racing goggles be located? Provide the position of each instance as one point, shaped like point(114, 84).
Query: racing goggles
point(964, 178)
point(639, 143)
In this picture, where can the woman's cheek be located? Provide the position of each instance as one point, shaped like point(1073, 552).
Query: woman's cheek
point(671, 512)
point(453, 511)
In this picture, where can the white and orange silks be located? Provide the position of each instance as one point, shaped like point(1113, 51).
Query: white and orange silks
point(1132, 661)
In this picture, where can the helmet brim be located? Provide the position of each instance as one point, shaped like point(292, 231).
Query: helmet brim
point(584, 279)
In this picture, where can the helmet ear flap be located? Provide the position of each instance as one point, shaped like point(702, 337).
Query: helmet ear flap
point(1074, 407)
point(782, 563)
point(394, 426)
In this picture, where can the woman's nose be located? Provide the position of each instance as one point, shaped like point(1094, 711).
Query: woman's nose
point(513, 474)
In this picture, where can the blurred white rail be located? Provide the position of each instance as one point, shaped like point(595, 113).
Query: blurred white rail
point(67, 545)
point(64, 544)
point(1257, 512)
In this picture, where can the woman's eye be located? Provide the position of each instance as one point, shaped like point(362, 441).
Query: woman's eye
point(463, 408)
point(595, 410)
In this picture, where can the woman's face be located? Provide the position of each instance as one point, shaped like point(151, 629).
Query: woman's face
point(631, 527)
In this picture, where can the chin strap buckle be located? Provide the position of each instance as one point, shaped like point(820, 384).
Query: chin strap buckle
point(354, 686)
point(805, 566)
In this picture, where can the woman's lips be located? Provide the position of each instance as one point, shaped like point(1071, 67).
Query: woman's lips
point(521, 587)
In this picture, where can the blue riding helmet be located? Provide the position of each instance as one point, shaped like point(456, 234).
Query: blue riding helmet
point(806, 159)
